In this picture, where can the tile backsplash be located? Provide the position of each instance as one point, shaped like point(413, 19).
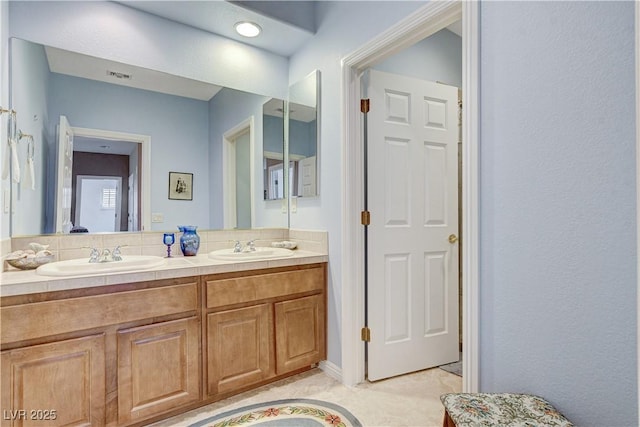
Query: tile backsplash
point(71, 246)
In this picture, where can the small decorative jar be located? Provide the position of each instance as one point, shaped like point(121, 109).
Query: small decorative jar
point(189, 241)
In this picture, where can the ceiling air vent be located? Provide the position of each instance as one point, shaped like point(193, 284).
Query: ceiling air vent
point(119, 75)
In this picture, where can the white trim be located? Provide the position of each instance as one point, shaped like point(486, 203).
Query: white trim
point(331, 369)
point(637, 30)
point(145, 163)
point(470, 196)
point(229, 171)
point(279, 156)
point(419, 25)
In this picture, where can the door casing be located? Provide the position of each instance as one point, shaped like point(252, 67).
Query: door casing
point(417, 26)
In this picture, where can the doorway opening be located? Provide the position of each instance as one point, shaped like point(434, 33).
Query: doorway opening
point(98, 204)
point(421, 24)
point(86, 151)
point(238, 175)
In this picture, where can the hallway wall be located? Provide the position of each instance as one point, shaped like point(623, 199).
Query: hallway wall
point(558, 254)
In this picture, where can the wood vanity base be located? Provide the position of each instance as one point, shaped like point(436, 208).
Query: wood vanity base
point(136, 353)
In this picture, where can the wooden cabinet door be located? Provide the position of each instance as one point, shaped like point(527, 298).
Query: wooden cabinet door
point(56, 384)
point(300, 333)
point(158, 368)
point(239, 348)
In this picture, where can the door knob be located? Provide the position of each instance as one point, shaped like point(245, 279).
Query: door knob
point(453, 238)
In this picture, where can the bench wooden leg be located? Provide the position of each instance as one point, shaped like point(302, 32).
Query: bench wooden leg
point(447, 421)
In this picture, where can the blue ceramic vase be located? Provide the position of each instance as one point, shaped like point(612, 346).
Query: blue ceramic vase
point(189, 241)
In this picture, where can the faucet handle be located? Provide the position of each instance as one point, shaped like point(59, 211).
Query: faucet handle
point(95, 253)
point(237, 247)
point(251, 245)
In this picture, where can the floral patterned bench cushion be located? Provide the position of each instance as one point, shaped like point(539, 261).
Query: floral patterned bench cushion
point(501, 409)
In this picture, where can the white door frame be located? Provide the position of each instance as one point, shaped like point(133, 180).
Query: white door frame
point(229, 171)
point(145, 164)
point(637, 30)
point(417, 26)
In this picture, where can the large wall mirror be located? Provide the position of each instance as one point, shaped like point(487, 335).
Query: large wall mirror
point(300, 134)
point(142, 149)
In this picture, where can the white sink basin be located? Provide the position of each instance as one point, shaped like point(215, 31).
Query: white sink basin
point(258, 254)
point(81, 266)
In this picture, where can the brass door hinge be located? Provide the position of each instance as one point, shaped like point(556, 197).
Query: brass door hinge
point(365, 217)
point(365, 334)
point(364, 105)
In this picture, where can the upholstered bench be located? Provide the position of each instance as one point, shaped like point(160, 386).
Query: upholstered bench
point(499, 409)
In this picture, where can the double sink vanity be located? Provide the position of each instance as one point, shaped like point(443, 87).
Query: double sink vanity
point(127, 344)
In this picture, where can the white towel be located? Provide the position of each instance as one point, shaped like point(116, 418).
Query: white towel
point(15, 163)
point(30, 176)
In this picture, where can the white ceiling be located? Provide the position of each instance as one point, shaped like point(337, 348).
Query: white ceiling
point(89, 67)
point(219, 17)
point(104, 146)
point(281, 35)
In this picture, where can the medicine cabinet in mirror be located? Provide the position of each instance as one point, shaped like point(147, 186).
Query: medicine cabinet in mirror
point(117, 114)
point(273, 126)
point(301, 141)
point(303, 136)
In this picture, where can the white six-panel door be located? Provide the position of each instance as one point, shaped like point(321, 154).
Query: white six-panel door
point(64, 168)
point(413, 200)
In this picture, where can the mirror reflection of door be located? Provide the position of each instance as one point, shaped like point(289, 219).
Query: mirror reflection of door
point(273, 148)
point(238, 176)
point(98, 202)
point(243, 181)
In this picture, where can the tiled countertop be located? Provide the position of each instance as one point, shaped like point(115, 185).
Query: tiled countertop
point(29, 282)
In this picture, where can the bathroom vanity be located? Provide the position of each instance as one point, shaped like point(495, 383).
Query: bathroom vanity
point(133, 352)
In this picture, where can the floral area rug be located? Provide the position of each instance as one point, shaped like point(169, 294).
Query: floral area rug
point(285, 412)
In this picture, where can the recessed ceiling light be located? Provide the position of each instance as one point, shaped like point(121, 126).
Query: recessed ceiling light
point(248, 29)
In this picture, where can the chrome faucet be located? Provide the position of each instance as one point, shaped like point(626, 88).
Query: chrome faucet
point(116, 255)
point(237, 248)
point(250, 247)
point(105, 255)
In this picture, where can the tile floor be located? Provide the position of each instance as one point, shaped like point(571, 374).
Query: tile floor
point(407, 400)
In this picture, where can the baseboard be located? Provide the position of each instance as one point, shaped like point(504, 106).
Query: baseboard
point(331, 369)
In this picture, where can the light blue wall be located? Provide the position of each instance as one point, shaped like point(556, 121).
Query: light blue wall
point(179, 130)
point(273, 134)
point(30, 97)
point(438, 58)
point(227, 110)
point(4, 101)
point(342, 28)
point(557, 206)
point(302, 137)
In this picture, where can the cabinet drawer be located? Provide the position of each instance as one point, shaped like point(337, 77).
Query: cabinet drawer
point(263, 286)
point(41, 319)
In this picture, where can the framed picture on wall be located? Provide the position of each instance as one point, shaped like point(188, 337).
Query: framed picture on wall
point(180, 186)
